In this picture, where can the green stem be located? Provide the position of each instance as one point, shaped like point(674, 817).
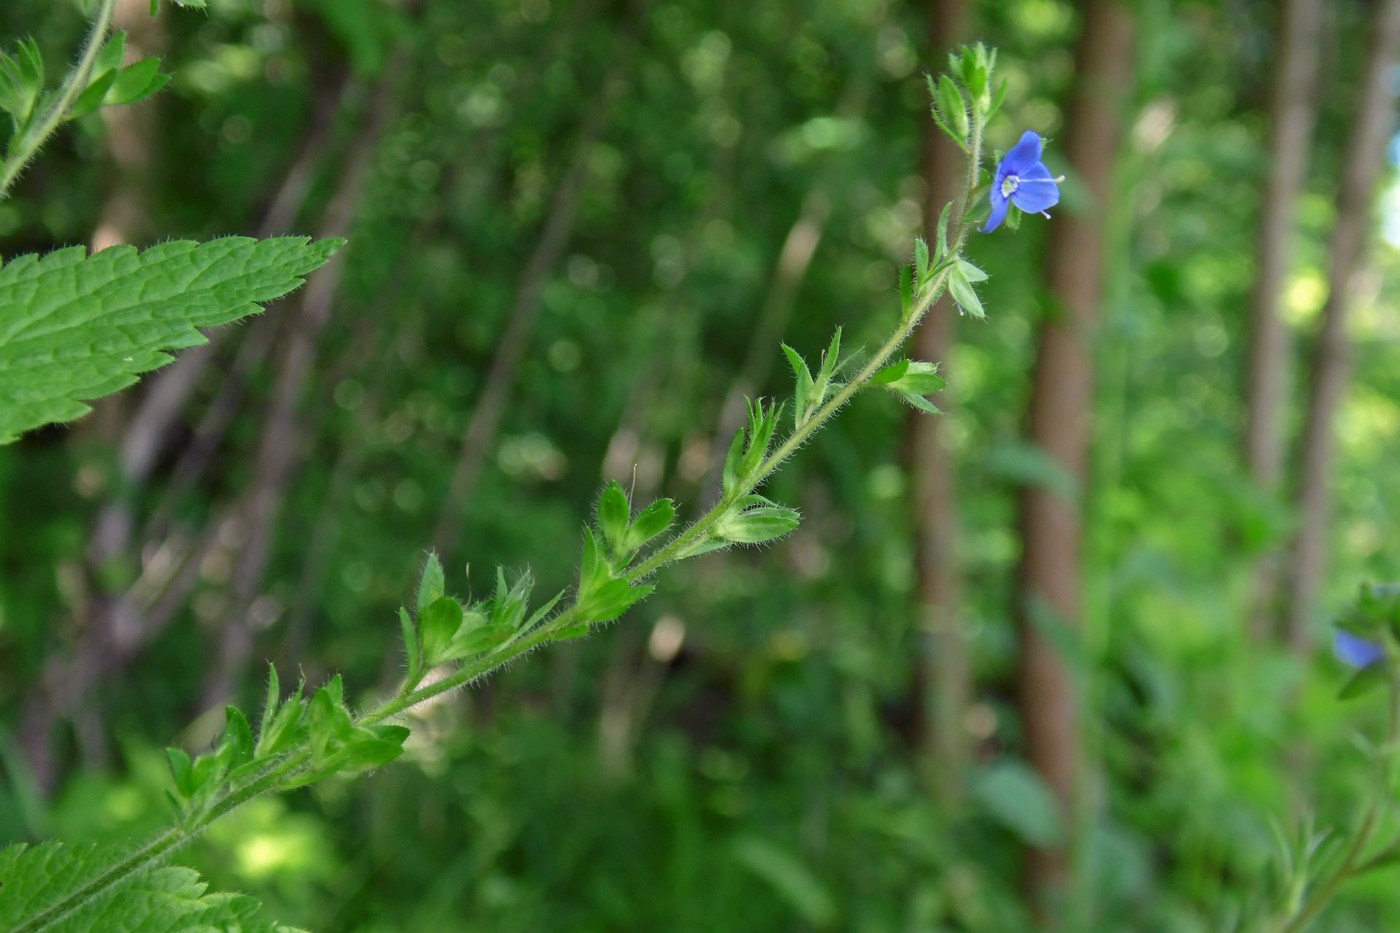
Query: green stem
point(155, 851)
point(293, 764)
point(24, 147)
point(1351, 863)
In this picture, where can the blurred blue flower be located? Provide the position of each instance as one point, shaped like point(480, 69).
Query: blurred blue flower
point(1357, 651)
point(1022, 179)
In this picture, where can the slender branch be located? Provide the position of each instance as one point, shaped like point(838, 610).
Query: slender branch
point(27, 144)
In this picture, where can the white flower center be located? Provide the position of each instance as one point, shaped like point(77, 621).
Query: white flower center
point(1009, 184)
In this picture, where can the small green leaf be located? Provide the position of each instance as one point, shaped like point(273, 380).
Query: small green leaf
point(914, 376)
point(437, 626)
point(236, 743)
point(921, 403)
point(478, 636)
point(763, 421)
point(328, 722)
point(757, 525)
point(920, 259)
point(614, 514)
point(285, 729)
point(92, 96)
point(1363, 682)
point(432, 584)
point(964, 295)
point(996, 102)
point(942, 228)
point(137, 81)
point(890, 374)
point(371, 747)
point(802, 389)
point(611, 600)
point(653, 520)
point(270, 701)
point(954, 105)
point(572, 631)
point(541, 612)
point(410, 644)
point(729, 476)
point(906, 291)
point(593, 570)
point(970, 272)
point(182, 770)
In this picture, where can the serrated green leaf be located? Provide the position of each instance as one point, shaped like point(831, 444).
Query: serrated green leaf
point(60, 889)
point(614, 515)
point(652, 521)
point(964, 295)
point(75, 327)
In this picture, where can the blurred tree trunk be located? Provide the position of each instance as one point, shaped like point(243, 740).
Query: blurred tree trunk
point(1292, 114)
point(943, 678)
point(1048, 596)
point(1331, 362)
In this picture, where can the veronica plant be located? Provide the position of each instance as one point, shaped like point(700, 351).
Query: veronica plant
point(306, 736)
point(1316, 865)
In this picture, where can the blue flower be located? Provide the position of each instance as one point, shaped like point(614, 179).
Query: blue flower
point(1022, 179)
point(1357, 651)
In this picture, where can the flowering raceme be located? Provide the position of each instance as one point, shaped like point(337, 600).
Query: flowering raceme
point(1023, 180)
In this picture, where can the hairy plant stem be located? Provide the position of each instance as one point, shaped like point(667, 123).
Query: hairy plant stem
point(283, 771)
point(28, 143)
point(1351, 864)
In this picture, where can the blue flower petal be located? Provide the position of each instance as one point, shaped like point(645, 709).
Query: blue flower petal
point(999, 208)
point(1037, 191)
point(1023, 156)
point(1357, 651)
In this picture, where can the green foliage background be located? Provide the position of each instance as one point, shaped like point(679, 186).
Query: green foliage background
point(763, 778)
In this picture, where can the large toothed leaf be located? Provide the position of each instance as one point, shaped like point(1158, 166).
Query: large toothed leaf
point(50, 887)
point(74, 327)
